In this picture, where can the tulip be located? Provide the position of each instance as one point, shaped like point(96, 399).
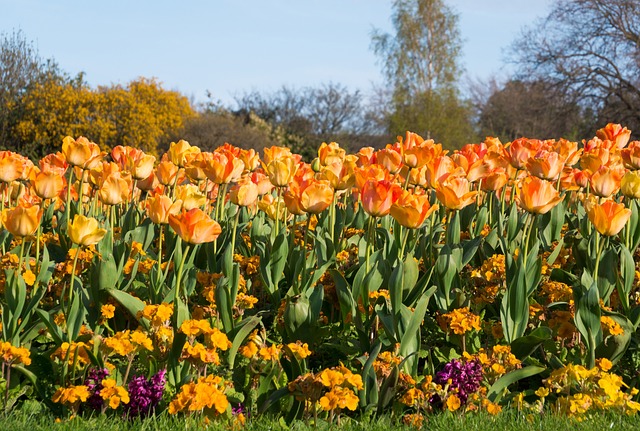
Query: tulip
point(453, 192)
point(340, 175)
point(134, 161)
point(160, 206)
point(22, 220)
point(366, 156)
point(195, 226)
point(274, 208)
point(606, 181)
point(190, 196)
point(85, 230)
point(411, 210)
point(250, 158)
point(373, 172)
point(378, 196)
point(316, 197)
point(537, 196)
point(330, 153)
point(440, 168)
point(54, 162)
point(223, 167)
point(568, 151)
point(47, 184)
point(179, 152)
point(114, 190)
point(630, 184)
point(391, 158)
point(281, 170)
point(546, 165)
point(11, 166)
point(244, 193)
point(274, 153)
point(631, 155)
point(521, 150)
point(167, 173)
point(608, 217)
point(81, 152)
point(616, 133)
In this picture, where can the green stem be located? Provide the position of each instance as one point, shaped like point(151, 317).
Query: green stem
point(81, 193)
point(405, 237)
point(159, 260)
point(235, 229)
point(73, 278)
point(68, 203)
point(179, 274)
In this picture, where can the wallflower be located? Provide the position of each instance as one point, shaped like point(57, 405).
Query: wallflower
point(107, 311)
point(71, 395)
point(461, 321)
point(113, 393)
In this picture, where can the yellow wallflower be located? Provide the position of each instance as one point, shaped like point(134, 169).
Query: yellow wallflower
point(29, 277)
point(453, 403)
point(113, 393)
point(107, 311)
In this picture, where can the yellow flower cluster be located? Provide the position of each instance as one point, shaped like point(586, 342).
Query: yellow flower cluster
point(198, 353)
point(158, 315)
point(72, 396)
point(580, 390)
point(556, 291)
point(14, 355)
point(73, 353)
point(205, 395)
point(128, 342)
point(610, 326)
point(113, 393)
point(495, 361)
point(460, 321)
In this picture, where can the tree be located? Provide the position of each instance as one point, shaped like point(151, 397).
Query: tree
point(21, 67)
point(421, 64)
point(531, 109)
point(326, 113)
point(589, 50)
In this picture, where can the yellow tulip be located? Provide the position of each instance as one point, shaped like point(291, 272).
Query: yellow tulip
point(85, 230)
point(608, 217)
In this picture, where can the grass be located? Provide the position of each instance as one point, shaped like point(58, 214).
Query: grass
point(510, 420)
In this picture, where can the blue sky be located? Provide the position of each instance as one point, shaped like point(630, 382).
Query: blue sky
point(229, 47)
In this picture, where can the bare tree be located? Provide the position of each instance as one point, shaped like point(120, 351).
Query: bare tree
point(590, 50)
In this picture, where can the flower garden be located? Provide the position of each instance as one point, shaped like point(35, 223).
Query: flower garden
point(407, 281)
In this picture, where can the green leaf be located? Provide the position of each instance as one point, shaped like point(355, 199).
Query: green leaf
point(132, 304)
point(239, 337)
point(495, 391)
point(524, 346)
point(345, 298)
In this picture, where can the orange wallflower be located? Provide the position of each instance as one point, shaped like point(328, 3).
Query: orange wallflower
point(195, 226)
point(608, 217)
point(537, 196)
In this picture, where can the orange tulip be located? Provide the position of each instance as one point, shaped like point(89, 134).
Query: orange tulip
point(281, 170)
point(366, 156)
point(47, 184)
point(272, 207)
point(316, 197)
point(537, 196)
point(159, 207)
point(149, 183)
point(262, 181)
point(330, 153)
point(631, 155)
point(391, 158)
point(568, 151)
point(440, 168)
point(341, 175)
point(85, 230)
point(546, 165)
point(114, 190)
point(520, 150)
point(274, 153)
point(411, 210)
point(11, 166)
point(22, 220)
point(495, 180)
point(194, 164)
point(223, 167)
point(378, 196)
point(250, 158)
point(134, 161)
point(81, 152)
point(55, 162)
point(374, 172)
point(608, 217)
point(179, 152)
point(616, 133)
point(244, 192)
point(453, 192)
point(606, 181)
point(166, 173)
point(195, 226)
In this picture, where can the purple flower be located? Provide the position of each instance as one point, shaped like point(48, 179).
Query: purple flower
point(94, 384)
point(145, 394)
point(463, 378)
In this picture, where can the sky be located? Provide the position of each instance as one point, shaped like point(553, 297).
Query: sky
point(230, 47)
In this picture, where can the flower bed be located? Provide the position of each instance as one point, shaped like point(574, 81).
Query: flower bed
point(408, 280)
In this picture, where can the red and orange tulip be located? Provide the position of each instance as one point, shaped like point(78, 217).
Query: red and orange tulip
point(411, 210)
point(608, 217)
point(537, 196)
point(195, 226)
point(378, 196)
